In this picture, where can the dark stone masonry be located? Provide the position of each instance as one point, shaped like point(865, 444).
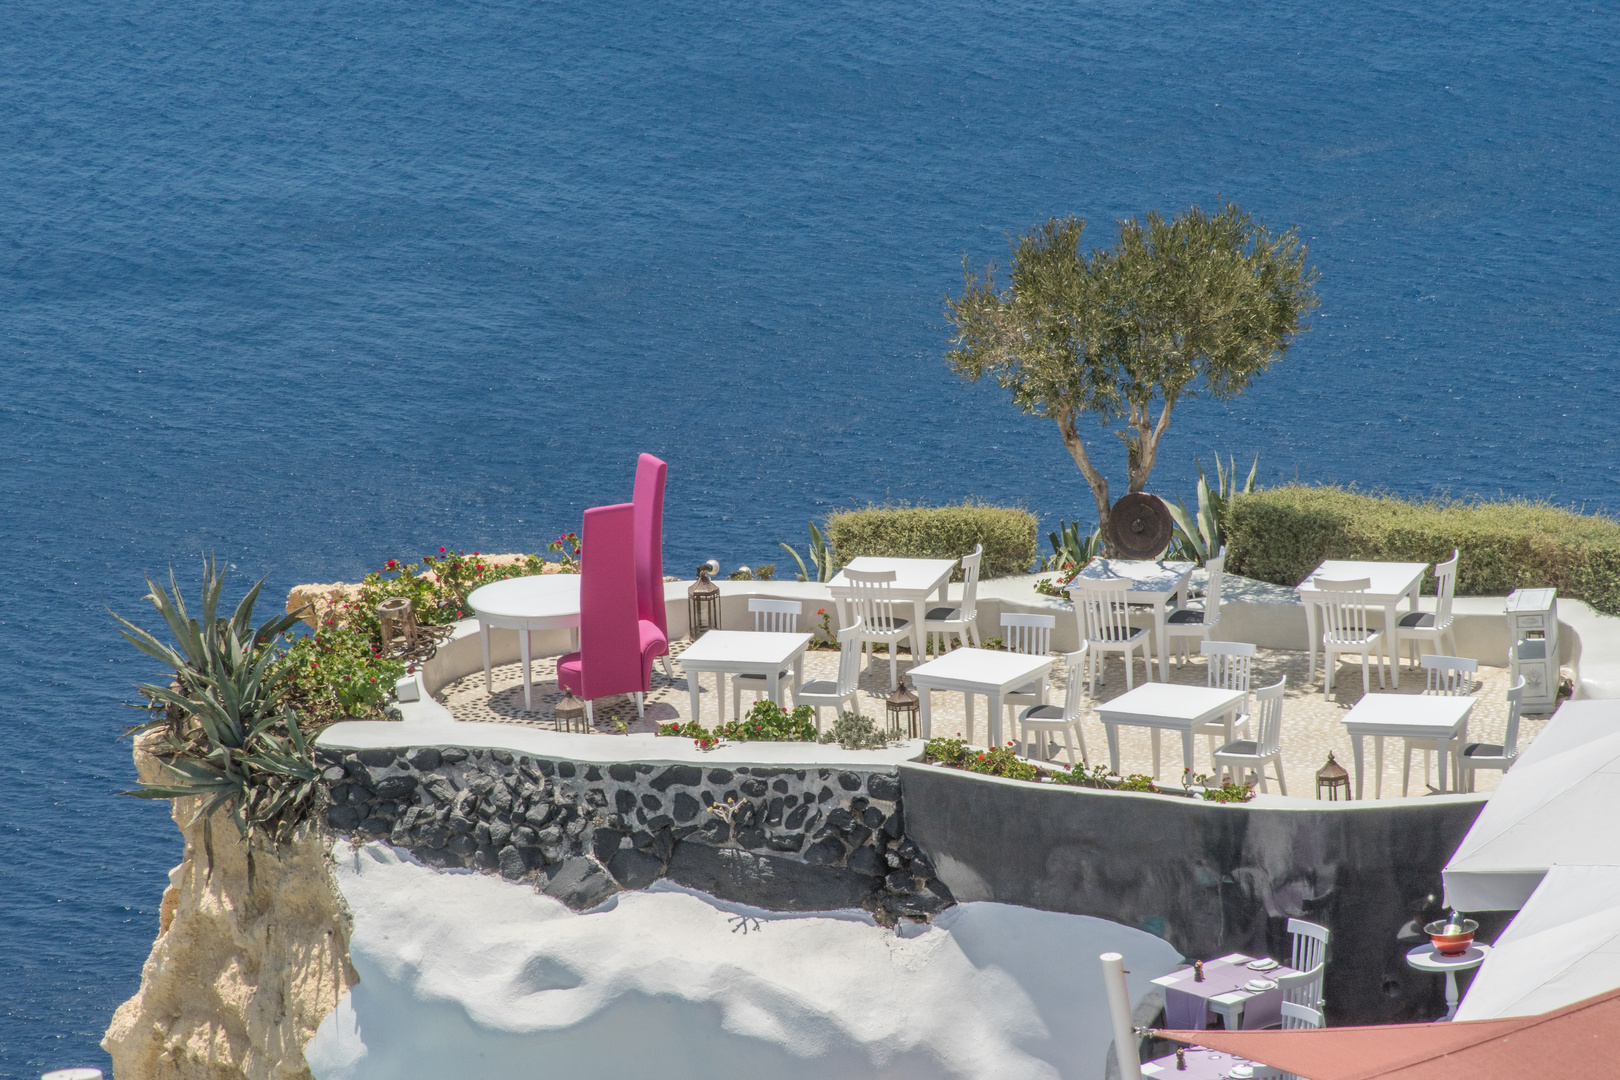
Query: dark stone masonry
point(785, 839)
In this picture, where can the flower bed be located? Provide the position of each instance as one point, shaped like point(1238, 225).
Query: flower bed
point(768, 722)
point(1001, 761)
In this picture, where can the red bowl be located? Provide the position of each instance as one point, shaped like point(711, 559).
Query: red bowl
point(1451, 944)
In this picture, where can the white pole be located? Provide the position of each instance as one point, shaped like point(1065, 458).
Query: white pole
point(1119, 1010)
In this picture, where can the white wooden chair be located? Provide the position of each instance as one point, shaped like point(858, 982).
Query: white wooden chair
point(834, 693)
point(1103, 611)
point(1310, 942)
point(873, 606)
point(1489, 755)
point(1228, 665)
point(962, 620)
point(1416, 627)
point(1345, 630)
point(1297, 1017)
point(770, 617)
point(1030, 635)
point(1240, 754)
point(1188, 624)
point(1044, 720)
point(1447, 676)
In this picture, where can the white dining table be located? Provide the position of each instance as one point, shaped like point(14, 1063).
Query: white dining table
point(1433, 718)
point(743, 652)
point(1388, 583)
point(1166, 707)
point(524, 604)
point(979, 671)
point(1153, 582)
point(914, 580)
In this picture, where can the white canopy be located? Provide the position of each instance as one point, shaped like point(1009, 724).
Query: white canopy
point(1554, 806)
point(1562, 947)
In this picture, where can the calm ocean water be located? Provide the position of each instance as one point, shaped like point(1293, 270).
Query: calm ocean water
point(314, 285)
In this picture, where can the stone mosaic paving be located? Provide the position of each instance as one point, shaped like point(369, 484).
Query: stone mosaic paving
point(1311, 725)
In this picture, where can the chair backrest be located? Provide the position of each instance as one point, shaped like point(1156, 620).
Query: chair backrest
point(1229, 665)
point(1074, 696)
point(1449, 676)
point(609, 634)
point(1030, 634)
point(970, 582)
point(1344, 608)
point(1515, 698)
point(776, 616)
point(1268, 703)
point(871, 598)
point(649, 559)
point(1296, 1017)
point(1212, 591)
point(1445, 585)
point(1102, 609)
point(1304, 987)
point(849, 657)
point(1310, 944)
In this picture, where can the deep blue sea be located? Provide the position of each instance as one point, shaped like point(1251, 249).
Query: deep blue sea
point(313, 285)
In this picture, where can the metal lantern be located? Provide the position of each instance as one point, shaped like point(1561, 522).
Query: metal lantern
point(397, 615)
point(1333, 777)
point(703, 604)
point(570, 711)
point(902, 703)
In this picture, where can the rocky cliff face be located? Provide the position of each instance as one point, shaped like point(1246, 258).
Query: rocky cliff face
point(239, 978)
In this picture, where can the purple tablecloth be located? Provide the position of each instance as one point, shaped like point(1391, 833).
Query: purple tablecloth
point(1186, 1002)
point(1202, 1064)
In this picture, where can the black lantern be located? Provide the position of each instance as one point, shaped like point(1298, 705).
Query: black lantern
point(703, 604)
point(1333, 777)
point(570, 711)
point(902, 704)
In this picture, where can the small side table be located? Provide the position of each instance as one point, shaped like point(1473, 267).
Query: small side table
point(1425, 958)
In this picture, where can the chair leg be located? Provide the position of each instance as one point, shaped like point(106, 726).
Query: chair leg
point(894, 666)
point(1129, 675)
point(1366, 681)
point(1260, 771)
point(669, 672)
point(1282, 785)
point(641, 704)
point(590, 719)
point(1080, 736)
point(1068, 744)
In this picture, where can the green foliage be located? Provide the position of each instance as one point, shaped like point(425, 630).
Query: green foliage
point(1199, 535)
point(938, 532)
point(1071, 551)
point(855, 732)
point(459, 574)
point(1136, 782)
point(1281, 534)
point(1229, 792)
point(1001, 761)
point(226, 733)
point(820, 555)
point(1192, 307)
point(758, 573)
point(335, 673)
point(689, 730)
point(568, 550)
point(767, 722)
point(1079, 776)
point(945, 751)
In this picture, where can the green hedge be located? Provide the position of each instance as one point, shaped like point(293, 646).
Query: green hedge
point(937, 532)
point(1281, 534)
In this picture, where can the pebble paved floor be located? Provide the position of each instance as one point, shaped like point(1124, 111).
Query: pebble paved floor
point(1311, 724)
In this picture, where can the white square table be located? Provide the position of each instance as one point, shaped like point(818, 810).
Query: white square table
point(1406, 716)
point(1387, 584)
point(1166, 706)
point(1152, 583)
point(743, 652)
point(914, 579)
point(979, 671)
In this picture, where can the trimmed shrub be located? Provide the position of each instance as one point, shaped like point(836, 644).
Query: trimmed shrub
point(1281, 534)
point(938, 532)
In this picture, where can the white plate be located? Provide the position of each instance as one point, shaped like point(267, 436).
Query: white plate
point(1262, 965)
point(1258, 985)
point(1241, 1072)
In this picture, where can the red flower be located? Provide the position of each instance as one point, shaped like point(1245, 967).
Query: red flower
point(441, 551)
point(392, 563)
point(821, 611)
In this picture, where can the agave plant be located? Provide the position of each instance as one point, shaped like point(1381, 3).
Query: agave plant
point(227, 733)
point(1070, 549)
point(820, 554)
point(1199, 536)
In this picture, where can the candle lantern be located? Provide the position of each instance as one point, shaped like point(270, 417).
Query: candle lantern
point(569, 712)
point(703, 604)
point(902, 705)
point(1332, 776)
point(397, 616)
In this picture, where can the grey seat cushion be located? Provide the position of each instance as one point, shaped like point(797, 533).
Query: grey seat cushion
point(824, 687)
point(787, 673)
point(1414, 619)
point(1111, 634)
point(1483, 749)
point(1242, 746)
point(1186, 616)
point(889, 627)
point(943, 614)
point(1042, 712)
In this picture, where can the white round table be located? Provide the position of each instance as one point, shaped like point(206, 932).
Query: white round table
point(536, 602)
point(1427, 958)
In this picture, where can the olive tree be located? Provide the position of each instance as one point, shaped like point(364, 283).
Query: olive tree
point(1192, 307)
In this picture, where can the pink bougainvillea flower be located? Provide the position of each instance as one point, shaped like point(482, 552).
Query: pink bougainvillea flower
point(441, 551)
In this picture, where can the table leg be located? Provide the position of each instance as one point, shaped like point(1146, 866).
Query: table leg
point(1378, 758)
point(1232, 1018)
point(1153, 733)
point(995, 718)
point(1310, 633)
point(1187, 751)
point(1387, 644)
point(483, 632)
point(1161, 635)
point(1442, 749)
point(773, 686)
point(918, 648)
point(692, 685)
point(967, 715)
point(925, 697)
point(1451, 994)
point(720, 698)
point(1113, 747)
point(1359, 742)
point(798, 676)
point(528, 691)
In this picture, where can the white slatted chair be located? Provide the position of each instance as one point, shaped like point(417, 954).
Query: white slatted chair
point(1188, 624)
point(1447, 676)
point(1416, 627)
point(1228, 666)
point(1030, 635)
point(872, 604)
point(1345, 630)
point(1299, 1017)
point(962, 620)
point(1310, 942)
point(1489, 755)
point(1045, 720)
point(1103, 611)
point(1241, 754)
point(770, 617)
point(835, 693)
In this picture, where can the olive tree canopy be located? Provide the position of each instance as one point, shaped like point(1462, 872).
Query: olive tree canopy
point(1192, 307)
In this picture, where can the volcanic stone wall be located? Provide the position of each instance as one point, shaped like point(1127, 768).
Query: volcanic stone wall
point(786, 839)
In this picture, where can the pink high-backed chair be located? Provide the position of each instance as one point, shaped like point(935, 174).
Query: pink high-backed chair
point(611, 659)
point(650, 610)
